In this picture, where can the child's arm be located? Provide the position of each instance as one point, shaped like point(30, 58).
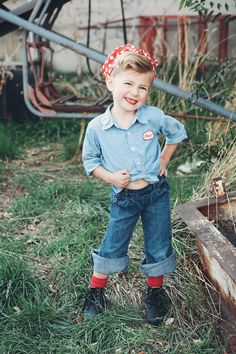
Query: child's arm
point(174, 132)
point(166, 154)
point(120, 178)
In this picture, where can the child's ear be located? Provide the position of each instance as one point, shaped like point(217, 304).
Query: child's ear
point(109, 83)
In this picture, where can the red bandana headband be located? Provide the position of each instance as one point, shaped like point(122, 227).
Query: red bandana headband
point(109, 63)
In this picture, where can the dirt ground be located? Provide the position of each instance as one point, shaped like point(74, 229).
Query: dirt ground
point(41, 159)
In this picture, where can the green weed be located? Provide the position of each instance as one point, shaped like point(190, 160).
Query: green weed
point(16, 282)
point(9, 147)
point(70, 147)
point(52, 197)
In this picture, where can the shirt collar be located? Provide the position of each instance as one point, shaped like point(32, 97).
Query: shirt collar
point(108, 121)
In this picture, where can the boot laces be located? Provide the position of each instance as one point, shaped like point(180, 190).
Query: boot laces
point(95, 296)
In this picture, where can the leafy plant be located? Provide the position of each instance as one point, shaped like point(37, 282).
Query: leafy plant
point(211, 9)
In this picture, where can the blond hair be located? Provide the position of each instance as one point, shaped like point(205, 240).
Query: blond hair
point(132, 61)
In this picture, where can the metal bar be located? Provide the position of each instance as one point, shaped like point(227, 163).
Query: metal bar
point(99, 57)
point(147, 32)
point(223, 38)
point(182, 36)
point(197, 101)
point(36, 8)
point(43, 12)
point(191, 116)
point(26, 89)
point(22, 11)
point(53, 36)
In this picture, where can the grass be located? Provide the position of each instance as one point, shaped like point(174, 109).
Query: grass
point(8, 147)
point(56, 217)
point(52, 216)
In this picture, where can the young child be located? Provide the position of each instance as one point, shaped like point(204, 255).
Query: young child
point(121, 147)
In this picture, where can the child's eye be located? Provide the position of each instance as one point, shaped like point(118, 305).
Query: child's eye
point(128, 83)
point(143, 88)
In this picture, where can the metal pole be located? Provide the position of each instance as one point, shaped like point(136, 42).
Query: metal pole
point(197, 101)
point(100, 58)
point(53, 36)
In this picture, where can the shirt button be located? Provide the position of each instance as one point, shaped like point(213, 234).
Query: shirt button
point(138, 162)
point(133, 148)
point(105, 120)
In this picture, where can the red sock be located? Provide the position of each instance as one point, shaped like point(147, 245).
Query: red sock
point(98, 282)
point(155, 282)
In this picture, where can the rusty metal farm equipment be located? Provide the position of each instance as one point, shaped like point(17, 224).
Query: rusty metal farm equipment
point(36, 18)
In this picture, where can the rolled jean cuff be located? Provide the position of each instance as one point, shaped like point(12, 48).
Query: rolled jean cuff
point(160, 268)
point(109, 265)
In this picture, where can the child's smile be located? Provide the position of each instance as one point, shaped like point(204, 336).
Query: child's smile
point(130, 91)
point(131, 101)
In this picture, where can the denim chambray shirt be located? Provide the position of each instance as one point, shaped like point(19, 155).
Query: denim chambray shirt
point(136, 148)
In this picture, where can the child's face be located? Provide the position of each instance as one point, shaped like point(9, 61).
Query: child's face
point(129, 89)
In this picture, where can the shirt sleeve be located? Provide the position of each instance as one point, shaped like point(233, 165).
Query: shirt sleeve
point(91, 152)
point(173, 130)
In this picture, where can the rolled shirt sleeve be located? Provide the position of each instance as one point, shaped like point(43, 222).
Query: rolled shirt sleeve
point(173, 130)
point(91, 153)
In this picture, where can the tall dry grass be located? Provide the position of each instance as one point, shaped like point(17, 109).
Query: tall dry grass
point(224, 167)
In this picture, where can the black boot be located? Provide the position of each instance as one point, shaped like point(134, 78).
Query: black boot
point(94, 302)
point(158, 305)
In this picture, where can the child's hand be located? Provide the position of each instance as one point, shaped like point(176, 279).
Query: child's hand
point(163, 170)
point(121, 178)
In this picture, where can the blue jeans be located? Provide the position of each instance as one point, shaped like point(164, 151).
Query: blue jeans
point(152, 204)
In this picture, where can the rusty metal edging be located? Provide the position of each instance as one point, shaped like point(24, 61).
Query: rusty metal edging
point(200, 203)
point(208, 234)
point(99, 57)
point(218, 258)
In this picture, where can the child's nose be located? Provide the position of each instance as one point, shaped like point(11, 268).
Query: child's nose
point(135, 91)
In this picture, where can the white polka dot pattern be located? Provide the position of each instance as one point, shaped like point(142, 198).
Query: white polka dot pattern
point(108, 64)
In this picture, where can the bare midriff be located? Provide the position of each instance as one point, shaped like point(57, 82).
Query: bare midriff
point(139, 184)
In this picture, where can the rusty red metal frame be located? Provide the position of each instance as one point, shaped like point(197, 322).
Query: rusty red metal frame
point(148, 30)
point(223, 40)
point(40, 32)
point(43, 94)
